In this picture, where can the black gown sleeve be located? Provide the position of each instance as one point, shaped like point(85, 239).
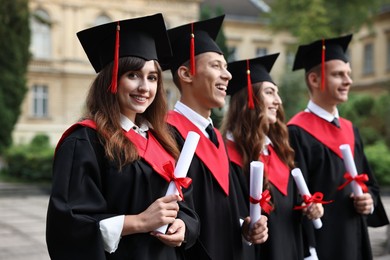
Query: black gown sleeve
point(76, 203)
point(378, 218)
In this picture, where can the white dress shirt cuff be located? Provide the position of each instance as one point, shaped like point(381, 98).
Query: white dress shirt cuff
point(111, 230)
point(313, 254)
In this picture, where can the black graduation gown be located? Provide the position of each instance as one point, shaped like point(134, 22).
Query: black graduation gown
point(242, 193)
point(284, 227)
point(220, 234)
point(344, 234)
point(284, 224)
point(88, 188)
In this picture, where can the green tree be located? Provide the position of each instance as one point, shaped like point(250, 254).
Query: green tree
point(14, 57)
point(309, 20)
point(293, 93)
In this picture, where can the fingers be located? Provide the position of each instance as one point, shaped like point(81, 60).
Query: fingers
point(363, 204)
point(175, 234)
point(314, 211)
point(259, 232)
point(170, 198)
point(161, 212)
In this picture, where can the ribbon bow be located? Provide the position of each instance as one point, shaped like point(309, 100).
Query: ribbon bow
point(359, 179)
point(179, 182)
point(315, 198)
point(264, 201)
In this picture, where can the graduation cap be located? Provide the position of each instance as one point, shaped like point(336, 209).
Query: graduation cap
point(318, 52)
point(192, 39)
point(247, 72)
point(143, 37)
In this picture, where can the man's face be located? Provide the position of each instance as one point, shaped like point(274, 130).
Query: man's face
point(210, 80)
point(337, 81)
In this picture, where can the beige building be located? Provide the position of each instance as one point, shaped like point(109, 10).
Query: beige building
point(59, 73)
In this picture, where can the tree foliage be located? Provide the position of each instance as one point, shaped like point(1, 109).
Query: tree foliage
point(14, 57)
point(371, 115)
point(310, 20)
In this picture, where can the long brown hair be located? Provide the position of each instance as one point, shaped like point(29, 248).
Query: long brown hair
point(103, 108)
point(250, 126)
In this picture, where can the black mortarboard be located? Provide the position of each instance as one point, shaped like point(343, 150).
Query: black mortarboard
point(247, 72)
point(143, 37)
point(310, 55)
point(193, 39)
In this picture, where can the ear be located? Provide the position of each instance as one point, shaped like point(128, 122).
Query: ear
point(314, 80)
point(184, 74)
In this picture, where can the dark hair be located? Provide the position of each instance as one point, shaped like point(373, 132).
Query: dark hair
point(249, 133)
point(102, 107)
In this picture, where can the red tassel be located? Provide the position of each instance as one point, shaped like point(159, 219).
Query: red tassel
point(323, 66)
point(114, 80)
point(192, 51)
point(251, 104)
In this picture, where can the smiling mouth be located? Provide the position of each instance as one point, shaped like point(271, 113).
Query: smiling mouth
point(221, 87)
point(139, 98)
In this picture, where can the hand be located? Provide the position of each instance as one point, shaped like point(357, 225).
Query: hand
point(259, 232)
point(161, 212)
point(313, 211)
point(175, 234)
point(363, 204)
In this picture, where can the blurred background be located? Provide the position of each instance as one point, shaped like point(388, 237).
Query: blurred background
point(44, 72)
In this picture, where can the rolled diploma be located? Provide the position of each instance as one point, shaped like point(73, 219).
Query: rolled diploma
point(182, 166)
point(350, 167)
point(255, 190)
point(302, 187)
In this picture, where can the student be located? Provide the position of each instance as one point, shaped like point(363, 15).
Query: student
point(202, 79)
point(109, 174)
point(260, 134)
point(316, 135)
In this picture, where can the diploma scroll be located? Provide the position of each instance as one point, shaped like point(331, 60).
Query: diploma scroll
point(350, 167)
point(255, 190)
point(182, 166)
point(303, 190)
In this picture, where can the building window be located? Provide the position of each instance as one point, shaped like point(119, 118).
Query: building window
point(40, 101)
point(261, 52)
point(102, 19)
point(41, 34)
point(368, 60)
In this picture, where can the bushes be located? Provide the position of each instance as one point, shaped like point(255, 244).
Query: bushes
point(378, 156)
point(30, 162)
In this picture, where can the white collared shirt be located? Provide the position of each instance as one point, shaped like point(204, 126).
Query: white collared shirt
point(198, 120)
point(320, 112)
point(127, 124)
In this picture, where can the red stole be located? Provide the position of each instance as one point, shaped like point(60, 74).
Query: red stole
point(234, 155)
point(148, 149)
point(277, 172)
point(328, 134)
point(215, 158)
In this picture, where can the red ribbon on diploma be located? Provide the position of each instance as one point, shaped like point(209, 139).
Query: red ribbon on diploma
point(179, 182)
point(315, 198)
point(359, 179)
point(264, 201)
